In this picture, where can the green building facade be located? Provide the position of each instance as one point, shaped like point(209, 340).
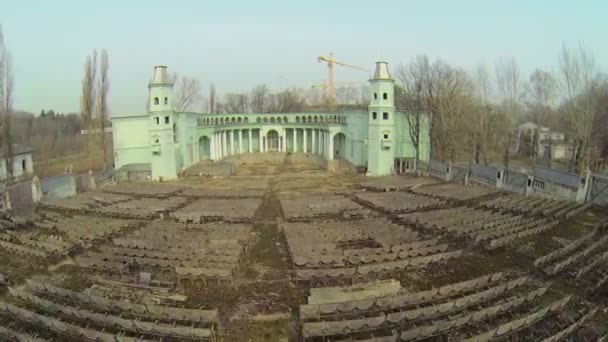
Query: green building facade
point(170, 141)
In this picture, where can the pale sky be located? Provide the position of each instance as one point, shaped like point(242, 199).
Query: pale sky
point(238, 44)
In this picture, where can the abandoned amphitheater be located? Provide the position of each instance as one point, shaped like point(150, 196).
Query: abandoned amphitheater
point(284, 250)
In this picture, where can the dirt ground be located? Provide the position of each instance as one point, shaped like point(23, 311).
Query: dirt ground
point(263, 303)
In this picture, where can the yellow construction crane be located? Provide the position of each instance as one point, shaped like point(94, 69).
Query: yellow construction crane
point(330, 95)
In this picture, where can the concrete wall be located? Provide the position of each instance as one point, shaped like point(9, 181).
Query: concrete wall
point(19, 161)
point(404, 147)
point(59, 187)
point(131, 140)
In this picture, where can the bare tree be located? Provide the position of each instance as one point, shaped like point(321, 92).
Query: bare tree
point(104, 89)
point(290, 100)
point(187, 93)
point(481, 121)
point(6, 105)
point(212, 98)
point(454, 98)
point(235, 103)
point(540, 92)
point(578, 72)
point(259, 97)
point(507, 80)
point(89, 91)
point(411, 83)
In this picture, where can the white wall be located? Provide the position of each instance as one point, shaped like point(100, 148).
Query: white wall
point(131, 140)
point(18, 169)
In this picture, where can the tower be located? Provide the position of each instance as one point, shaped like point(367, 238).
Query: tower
point(381, 124)
point(162, 125)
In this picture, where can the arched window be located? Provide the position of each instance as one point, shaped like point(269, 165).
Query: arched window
point(217, 121)
point(246, 119)
point(279, 119)
point(271, 119)
point(23, 165)
point(258, 120)
point(385, 96)
point(297, 119)
point(156, 101)
point(233, 120)
point(239, 119)
point(166, 100)
point(309, 120)
point(316, 119)
point(265, 120)
point(375, 96)
point(222, 121)
point(285, 119)
point(272, 140)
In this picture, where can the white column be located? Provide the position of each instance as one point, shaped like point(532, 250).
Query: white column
point(215, 154)
point(261, 141)
point(231, 142)
point(331, 147)
point(250, 142)
point(212, 151)
point(224, 148)
point(240, 141)
point(284, 141)
point(313, 141)
point(305, 141)
point(218, 145)
point(319, 142)
point(295, 140)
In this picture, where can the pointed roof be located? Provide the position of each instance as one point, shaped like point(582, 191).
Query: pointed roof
point(382, 72)
point(160, 76)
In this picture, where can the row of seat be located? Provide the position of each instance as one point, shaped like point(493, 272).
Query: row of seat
point(161, 263)
point(231, 209)
point(84, 201)
point(222, 193)
point(143, 189)
point(567, 249)
point(508, 328)
point(202, 273)
point(22, 250)
point(507, 230)
point(142, 310)
point(135, 326)
point(393, 302)
point(63, 328)
point(177, 255)
point(223, 247)
point(570, 260)
point(12, 335)
point(329, 328)
point(142, 208)
point(390, 266)
point(454, 191)
point(353, 258)
point(472, 318)
point(312, 206)
point(595, 262)
point(515, 236)
point(562, 334)
point(398, 201)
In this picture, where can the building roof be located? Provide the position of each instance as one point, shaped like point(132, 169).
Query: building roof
point(18, 149)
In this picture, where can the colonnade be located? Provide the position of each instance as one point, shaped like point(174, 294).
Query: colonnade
point(224, 143)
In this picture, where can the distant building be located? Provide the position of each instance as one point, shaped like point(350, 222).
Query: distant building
point(170, 141)
point(547, 144)
point(22, 162)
